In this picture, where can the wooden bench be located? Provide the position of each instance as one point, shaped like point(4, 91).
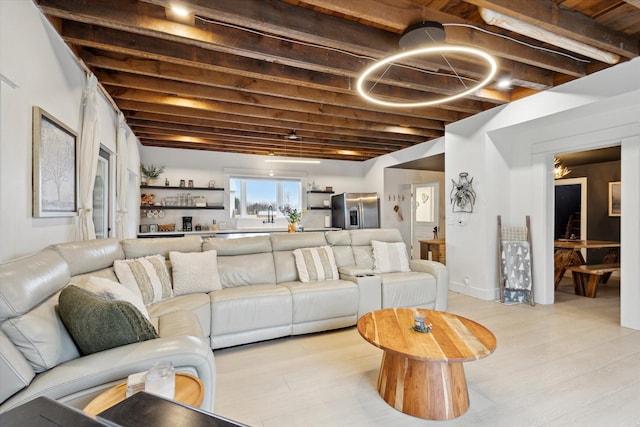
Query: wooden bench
point(586, 278)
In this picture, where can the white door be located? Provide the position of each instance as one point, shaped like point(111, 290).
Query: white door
point(424, 214)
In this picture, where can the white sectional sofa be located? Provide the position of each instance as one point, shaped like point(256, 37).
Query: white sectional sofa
point(261, 298)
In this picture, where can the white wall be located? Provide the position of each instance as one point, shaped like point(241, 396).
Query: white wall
point(203, 166)
point(397, 182)
point(510, 152)
point(374, 168)
point(36, 69)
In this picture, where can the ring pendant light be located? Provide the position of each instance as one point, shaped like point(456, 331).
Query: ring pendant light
point(421, 38)
point(427, 50)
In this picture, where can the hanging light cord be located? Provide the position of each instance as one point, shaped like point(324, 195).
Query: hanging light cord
point(446, 60)
point(517, 41)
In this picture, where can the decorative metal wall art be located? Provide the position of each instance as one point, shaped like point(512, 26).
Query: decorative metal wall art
point(462, 195)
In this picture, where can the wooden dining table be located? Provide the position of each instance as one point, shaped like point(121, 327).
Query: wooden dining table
point(567, 253)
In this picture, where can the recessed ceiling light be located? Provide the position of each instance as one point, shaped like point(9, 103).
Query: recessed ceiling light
point(504, 83)
point(180, 14)
point(180, 11)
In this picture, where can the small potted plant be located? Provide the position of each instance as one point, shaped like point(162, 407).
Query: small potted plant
point(151, 172)
point(294, 217)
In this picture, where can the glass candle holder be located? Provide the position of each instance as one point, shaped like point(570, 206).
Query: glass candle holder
point(419, 320)
point(161, 380)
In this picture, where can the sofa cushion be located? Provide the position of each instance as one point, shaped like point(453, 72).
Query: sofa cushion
point(247, 308)
point(113, 291)
point(28, 281)
point(389, 257)
point(315, 264)
point(149, 274)
point(340, 242)
point(97, 324)
point(15, 370)
point(245, 261)
point(195, 272)
point(199, 304)
point(137, 248)
point(322, 300)
point(178, 323)
point(89, 255)
point(41, 336)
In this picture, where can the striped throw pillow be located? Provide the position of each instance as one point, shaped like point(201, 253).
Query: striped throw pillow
point(149, 274)
point(389, 257)
point(315, 264)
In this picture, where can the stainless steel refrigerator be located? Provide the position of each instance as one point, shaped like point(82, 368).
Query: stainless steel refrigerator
point(355, 210)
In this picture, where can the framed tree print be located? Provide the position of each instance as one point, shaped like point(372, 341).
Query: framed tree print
point(55, 179)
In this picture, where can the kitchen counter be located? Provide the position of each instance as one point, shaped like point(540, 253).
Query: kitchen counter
point(231, 233)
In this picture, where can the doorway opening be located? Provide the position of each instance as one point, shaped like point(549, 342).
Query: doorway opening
point(581, 214)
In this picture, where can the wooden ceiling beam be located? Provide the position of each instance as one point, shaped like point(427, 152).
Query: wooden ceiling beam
point(289, 20)
point(172, 52)
point(287, 53)
point(184, 73)
point(209, 108)
point(172, 127)
point(124, 16)
point(295, 148)
point(263, 147)
point(399, 14)
point(552, 17)
point(130, 81)
point(142, 111)
point(252, 150)
point(206, 132)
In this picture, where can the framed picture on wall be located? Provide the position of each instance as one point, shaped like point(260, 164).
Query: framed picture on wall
point(614, 198)
point(55, 179)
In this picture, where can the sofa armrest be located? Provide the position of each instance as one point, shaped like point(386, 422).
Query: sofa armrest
point(369, 287)
point(88, 375)
point(441, 273)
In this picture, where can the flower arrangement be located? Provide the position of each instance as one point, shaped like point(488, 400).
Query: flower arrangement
point(293, 216)
point(151, 172)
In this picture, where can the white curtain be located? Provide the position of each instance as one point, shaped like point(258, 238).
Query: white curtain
point(122, 180)
point(88, 159)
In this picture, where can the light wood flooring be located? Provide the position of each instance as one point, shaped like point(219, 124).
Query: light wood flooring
point(566, 364)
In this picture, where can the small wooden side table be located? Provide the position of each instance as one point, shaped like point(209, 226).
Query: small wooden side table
point(189, 390)
point(437, 247)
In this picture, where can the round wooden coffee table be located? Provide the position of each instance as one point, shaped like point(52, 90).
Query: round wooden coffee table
point(421, 374)
point(189, 390)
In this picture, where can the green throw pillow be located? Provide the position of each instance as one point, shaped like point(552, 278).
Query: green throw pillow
point(98, 324)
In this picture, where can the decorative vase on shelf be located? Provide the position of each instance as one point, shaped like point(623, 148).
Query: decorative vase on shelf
point(292, 227)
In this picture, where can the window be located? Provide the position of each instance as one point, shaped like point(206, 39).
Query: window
point(251, 197)
point(101, 195)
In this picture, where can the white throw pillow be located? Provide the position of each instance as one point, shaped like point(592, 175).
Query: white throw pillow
point(149, 274)
point(114, 291)
point(195, 272)
point(315, 264)
point(389, 257)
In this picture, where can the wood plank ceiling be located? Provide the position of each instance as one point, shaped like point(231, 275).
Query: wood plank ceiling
point(243, 74)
